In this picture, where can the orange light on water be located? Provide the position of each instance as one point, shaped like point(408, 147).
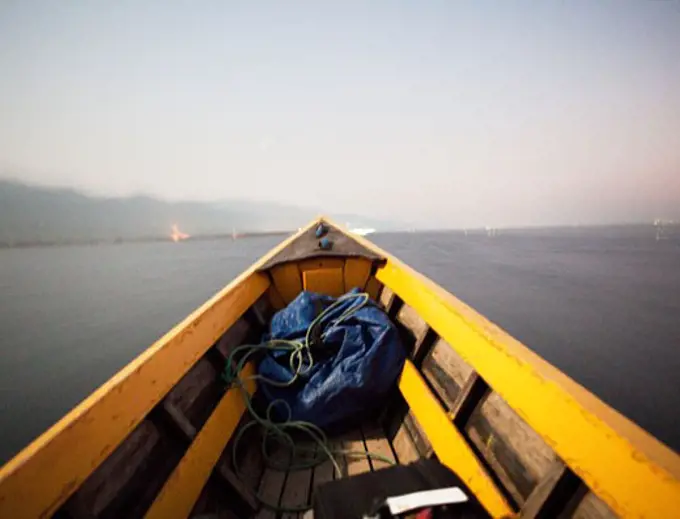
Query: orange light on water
point(177, 235)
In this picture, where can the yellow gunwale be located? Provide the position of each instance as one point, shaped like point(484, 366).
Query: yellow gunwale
point(448, 443)
point(80, 441)
point(183, 487)
point(631, 471)
point(626, 467)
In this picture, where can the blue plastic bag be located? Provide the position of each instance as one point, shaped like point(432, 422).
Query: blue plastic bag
point(356, 359)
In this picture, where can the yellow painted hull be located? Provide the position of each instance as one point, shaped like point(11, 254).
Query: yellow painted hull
point(478, 399)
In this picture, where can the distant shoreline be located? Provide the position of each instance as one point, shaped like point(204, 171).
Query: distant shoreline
point(28, 244)
point(667, 231)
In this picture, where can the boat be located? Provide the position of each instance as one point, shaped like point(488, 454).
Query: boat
point(157, 439)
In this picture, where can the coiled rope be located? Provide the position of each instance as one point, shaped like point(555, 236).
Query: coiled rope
point(301, 362)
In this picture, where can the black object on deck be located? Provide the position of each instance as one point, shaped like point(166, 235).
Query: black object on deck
point(363, 495)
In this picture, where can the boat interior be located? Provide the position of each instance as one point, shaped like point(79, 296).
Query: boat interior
point(130, 481)
point(158, 440)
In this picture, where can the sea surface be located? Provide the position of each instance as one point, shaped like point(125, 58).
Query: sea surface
point(602, 304)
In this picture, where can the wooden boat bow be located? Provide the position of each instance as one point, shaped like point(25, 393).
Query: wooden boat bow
point(527, 439)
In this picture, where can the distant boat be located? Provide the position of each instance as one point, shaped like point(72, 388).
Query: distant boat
point(663, 228)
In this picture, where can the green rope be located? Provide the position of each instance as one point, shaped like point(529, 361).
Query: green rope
point(300, 362)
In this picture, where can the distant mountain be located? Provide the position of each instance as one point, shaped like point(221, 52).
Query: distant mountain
point(31, 214)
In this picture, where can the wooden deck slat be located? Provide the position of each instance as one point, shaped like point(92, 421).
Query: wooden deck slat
point(376, 442)
point(271, 485)
point(248, 457)
point(404, 446)
point(324, 472)
point(354, 441)
point(296, 490)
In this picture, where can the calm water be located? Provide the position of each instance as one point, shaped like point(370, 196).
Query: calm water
point(603, 305)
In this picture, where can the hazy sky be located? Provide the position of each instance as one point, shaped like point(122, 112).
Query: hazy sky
point(444, 113)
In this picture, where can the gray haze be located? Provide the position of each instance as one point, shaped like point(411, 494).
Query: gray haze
point(31, 215)
point(446, 114)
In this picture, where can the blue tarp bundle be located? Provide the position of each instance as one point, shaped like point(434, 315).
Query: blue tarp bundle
point(357, 359)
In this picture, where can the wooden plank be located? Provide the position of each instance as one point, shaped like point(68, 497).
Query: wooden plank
point(357, 272)
point(113, 476)
point(373, 288)
point(321, 264)
point(473, 392)
point(296, 490)
point(507, 441)
point(337, 447)
point(38, 480)
point(249, 457)
point(287, 280)
point(357, 463)
point(386, 295)
point(553, 494)
point(552, 404)
point(183, 487)
point(323, 275)
point(188, 431)
point(275, 298)
point(215, 503)
point(424, 347)
point(447, 442)
point(445, 371)
point(592, 507)
point(193, 384)
point(324, 281)
point(271, 485)
point(486, 452)
point(418, 435)
point(263, 311)
point(404, 446)
point(235, 336)
point(141, 492)
point(324, 472)
point(377, 443)
point(409, 318)
point(232, 480)
point(394, 307)
point(179, 419)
